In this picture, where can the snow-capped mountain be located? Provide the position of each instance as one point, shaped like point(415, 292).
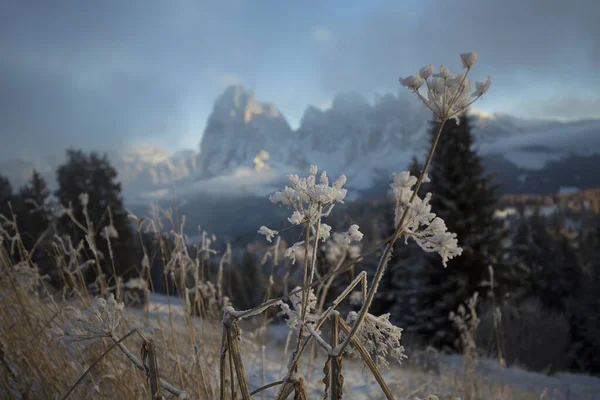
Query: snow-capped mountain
point(369, 141)
point(365, 140)
point(238, 129)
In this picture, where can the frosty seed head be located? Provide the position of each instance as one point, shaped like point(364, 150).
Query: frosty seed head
point(309, 200)
point(420, 223)
point(469, 59)
point(447, 95)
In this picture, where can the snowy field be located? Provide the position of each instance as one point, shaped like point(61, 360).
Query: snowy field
point(406, 381)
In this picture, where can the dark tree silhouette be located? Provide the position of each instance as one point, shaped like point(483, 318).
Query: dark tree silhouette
point(466, 198)
point(34, 217)
point(91, 179)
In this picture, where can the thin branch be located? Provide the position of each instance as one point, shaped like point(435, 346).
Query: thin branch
point(87, 371)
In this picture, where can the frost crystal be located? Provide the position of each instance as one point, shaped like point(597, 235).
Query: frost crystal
point(481, 88)
point(309, 200)
point(136, 283)
point(324, 231)
point(379, 337)
point(469, 59)
point(296, 251)
point(101, 319)
point(294, 313)
point(340, 245)
point(296, 218)
point(269, 233)
point(420, 223)
point(354, 234)
point(426, 71)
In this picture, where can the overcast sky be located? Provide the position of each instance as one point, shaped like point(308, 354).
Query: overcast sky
point(109, 74)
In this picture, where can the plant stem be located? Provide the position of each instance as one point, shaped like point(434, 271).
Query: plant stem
point(388, 250)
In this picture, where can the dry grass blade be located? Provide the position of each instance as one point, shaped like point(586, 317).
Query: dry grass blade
point(265, 387)
point(96, 362)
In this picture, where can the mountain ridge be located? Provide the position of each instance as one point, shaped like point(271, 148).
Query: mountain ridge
point(366, 141)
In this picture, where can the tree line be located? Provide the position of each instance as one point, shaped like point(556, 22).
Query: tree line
point(550, 259)
point(86, 212)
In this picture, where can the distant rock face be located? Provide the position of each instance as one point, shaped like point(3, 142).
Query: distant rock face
point(366, 141)
point(349, 133)
point(238, 129)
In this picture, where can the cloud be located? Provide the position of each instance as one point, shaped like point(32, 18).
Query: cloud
point(223, 78)
point(322, 34)
point(126, 76)
point(49, 111)
point(570, 108)
point(526, 46)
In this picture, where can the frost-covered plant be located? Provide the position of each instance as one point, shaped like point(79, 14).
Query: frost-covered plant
point(101, 319)
point(419, 223)
point(341, 245)
point(373, 337)
point(447, 95)
point(467, 321)
point(379, 337)
point(294, 314)
point(309, 200)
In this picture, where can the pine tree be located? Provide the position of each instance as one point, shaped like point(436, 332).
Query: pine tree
point(466, 199)
point(93, 175)
point(34, 218)
point(584, 316)
point(553, 265)
point(415, 168)
point(6, 196)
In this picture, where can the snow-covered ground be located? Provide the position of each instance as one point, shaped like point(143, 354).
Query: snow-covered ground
point(405, 381)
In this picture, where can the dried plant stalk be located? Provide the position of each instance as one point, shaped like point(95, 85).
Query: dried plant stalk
point(337, 379)
point(224, 349)
point(148, 355)
point(233, 332)
point(365, 356)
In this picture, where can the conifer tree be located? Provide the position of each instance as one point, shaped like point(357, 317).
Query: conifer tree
point(585, 309)
point(6, 196)
point(93, 175)
point(34, 218)
point(466, 199)
point(554, 270)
